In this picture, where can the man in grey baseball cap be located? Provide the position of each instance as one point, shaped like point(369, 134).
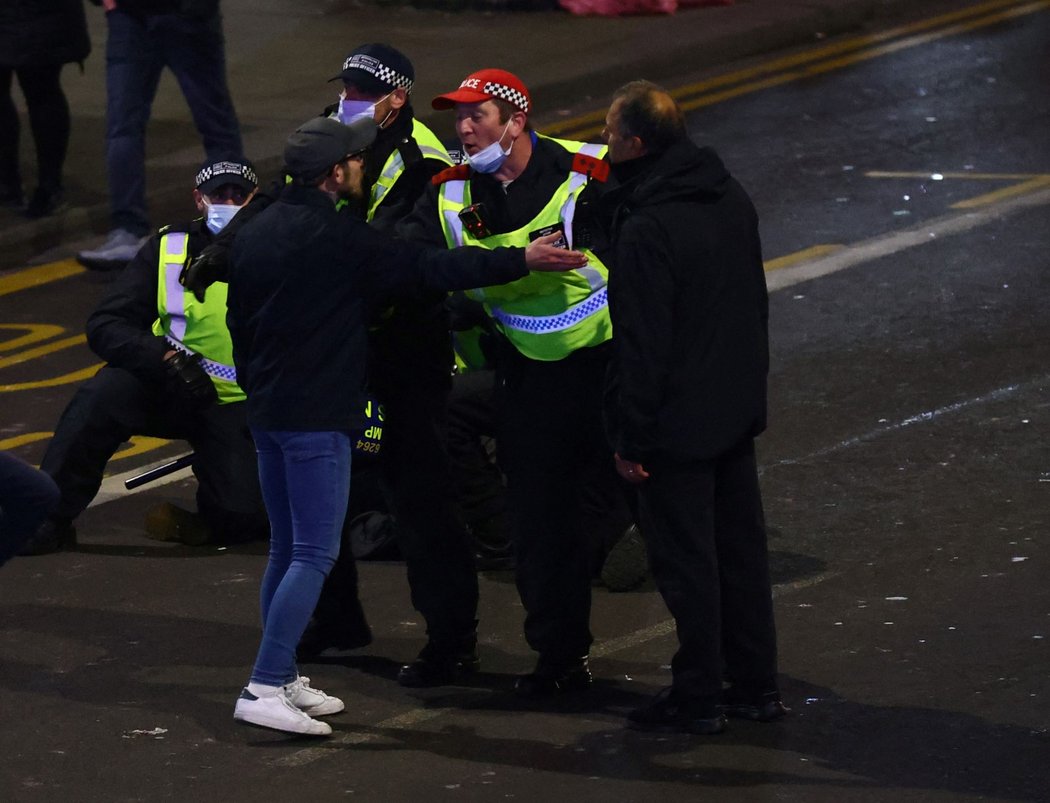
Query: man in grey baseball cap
point(317, 146)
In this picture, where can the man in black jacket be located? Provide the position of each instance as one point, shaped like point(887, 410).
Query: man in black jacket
point(151, 333)
point(300, 277)
point(689, 307)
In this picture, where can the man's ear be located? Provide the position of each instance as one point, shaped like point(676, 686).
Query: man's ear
point(518, 121)
point(198, 200)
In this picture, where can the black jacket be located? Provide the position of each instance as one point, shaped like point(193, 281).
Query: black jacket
point(35, 33)
point(409, 344)
point(120, 329)
point(300, 276)
point(689, 309)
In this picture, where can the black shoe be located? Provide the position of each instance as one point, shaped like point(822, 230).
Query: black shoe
point(53, 535)
point(45, 202)
point(439, 665)
point(764, 707)
point(554, 677)
point(317, 638)
point(669, 713)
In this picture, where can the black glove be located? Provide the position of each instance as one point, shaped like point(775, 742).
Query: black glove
point(209, 266)
point(189, 381)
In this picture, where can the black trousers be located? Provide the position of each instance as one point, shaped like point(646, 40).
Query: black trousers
point(48, 120)
point(114, 405)
point(551, 446)
point(706, 535)
point(477, 480)
point(418, 490)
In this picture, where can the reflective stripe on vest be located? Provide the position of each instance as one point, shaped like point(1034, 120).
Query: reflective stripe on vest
point(523, 329)
point(431, 148)
point(214, 369)
point(173, 257)
point(209, 336)
point(538, 324)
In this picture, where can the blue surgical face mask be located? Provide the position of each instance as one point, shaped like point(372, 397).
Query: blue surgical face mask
point(350, 110)
point(218, 215)
point(491, 158)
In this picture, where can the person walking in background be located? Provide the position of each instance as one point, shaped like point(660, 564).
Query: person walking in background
point(145, 36)
point(687, 398)
point(38, 37)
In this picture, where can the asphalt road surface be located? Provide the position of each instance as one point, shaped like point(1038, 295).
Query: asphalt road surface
point(904, 196)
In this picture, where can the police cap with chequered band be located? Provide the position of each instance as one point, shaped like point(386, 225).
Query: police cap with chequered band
point(377, 69)
point(486, 85)
point(239, 172)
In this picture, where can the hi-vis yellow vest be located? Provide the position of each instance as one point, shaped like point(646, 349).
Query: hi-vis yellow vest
point(546, 316)
point(194, 326)
point(431, 148)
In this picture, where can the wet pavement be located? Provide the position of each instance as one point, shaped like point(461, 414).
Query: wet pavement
point(905, 472)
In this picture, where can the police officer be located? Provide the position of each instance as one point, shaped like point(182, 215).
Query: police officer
point(409, 359)
point(169, 373)
point(517, 186)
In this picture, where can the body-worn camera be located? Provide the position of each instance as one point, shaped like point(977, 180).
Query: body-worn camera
point(473, 218)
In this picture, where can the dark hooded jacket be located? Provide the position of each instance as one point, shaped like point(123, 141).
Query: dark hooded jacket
point(689, 309)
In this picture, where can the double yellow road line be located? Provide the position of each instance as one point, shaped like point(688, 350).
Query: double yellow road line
point(819, 60)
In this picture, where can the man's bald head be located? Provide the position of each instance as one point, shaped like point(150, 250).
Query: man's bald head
point(648, 112)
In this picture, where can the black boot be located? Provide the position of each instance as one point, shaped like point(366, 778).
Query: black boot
point(554, 676)
point(351, 633)
point(54, 535)
point(45, 201)
point(441, 663)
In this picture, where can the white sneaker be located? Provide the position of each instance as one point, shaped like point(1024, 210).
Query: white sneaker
point(312, 702)
point(274, 711)
point(118, 249)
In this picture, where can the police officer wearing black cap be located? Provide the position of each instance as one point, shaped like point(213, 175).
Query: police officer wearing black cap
point(409, 360)
point(169, 373)
point(377, 83)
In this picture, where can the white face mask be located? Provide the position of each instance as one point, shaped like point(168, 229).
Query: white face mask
point(491, 158)
point(350, 110)
point(218, 215)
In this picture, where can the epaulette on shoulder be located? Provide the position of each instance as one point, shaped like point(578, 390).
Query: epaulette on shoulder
point(177, 228)
point(455, 173)
point(597, 169)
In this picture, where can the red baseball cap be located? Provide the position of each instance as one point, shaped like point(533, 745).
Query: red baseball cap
point(486, 85)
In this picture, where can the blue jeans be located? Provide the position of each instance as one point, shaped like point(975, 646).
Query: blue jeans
point(137, 50)
point(26, 497)
point(305, 480)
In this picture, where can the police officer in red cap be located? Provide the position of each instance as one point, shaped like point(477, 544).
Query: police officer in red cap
point(517, 186)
